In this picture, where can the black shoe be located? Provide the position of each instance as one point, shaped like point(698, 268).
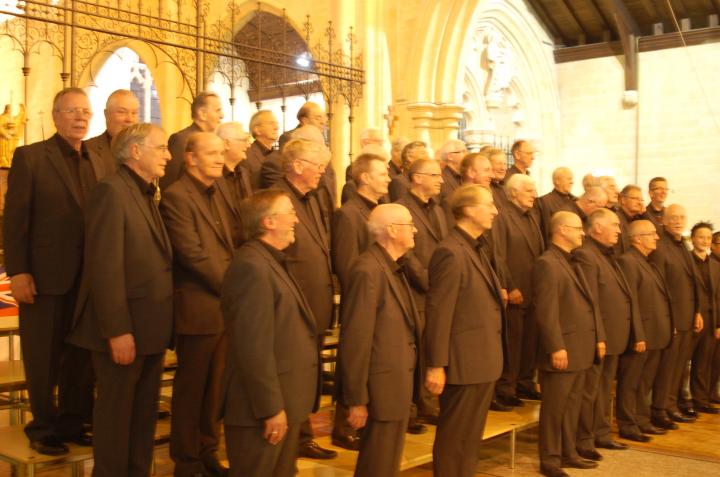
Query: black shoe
point(553, 472)
point(652, 430)
point(590, 454)
point(346, 442)
point(664, 423)
point(510, 401)
point(579, 463)
point(312, 450)
point(496, 406)
point(689, 412)
point(50, 445)
point(612, 445)
point(431, 419)
point(677, 417)
point(636, 437)
point(416, 428)
point(529, 394)
point(216, 469)
point(708, 409)
point(83, 439)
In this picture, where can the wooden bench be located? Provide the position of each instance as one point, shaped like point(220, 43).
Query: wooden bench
point(15, 449)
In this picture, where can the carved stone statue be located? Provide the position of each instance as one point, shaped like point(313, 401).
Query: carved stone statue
point(500, 64)
point(11, 128)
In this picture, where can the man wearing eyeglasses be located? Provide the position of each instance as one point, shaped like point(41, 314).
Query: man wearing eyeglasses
point(264, 129)
point(49, 186)
point(309, 114)
point(451, 155)
point(121, 110)
point(379, 343)
point(631, 208)
point(236, 176)
point(523, 154)
point(560, 198)
point(658, 191)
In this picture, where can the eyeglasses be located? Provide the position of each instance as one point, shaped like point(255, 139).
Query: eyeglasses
point(433, 175)
point(289, 212)
point(161, 148)
point(639, 199)
point(76, 111)
point(461, 151)
point(406, 224)
point(573, 227)
point(319, 165)
point(646, 234)
point(247, 139)
point(661, 189)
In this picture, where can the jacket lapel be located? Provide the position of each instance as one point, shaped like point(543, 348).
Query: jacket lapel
point(418, 212)
point(202, 206)
point(306, 220)
point(514, 217)
point(652, 270)
point(475, 258)
point(573, 273)
point(56, 159)
point(408, 313)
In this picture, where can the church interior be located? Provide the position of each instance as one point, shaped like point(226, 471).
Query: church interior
point(622, 88)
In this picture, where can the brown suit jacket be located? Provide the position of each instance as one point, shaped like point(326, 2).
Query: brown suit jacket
point(100, 146)
point(613, 295)
point(378, 339)
point(43, 226)
point(566, 312)
point(463, 314)
point(623, 244)
point(273, 357)
point(309, 257)
point(202, 251)
point(713, 293)
point(399, 187)
point(351, 237)
point(176, 144)
point(675, 263)
point(651, 298)
point(256, 157)
point(550, 203)
point(127, 277)
point(516, 249)
point(499, 196)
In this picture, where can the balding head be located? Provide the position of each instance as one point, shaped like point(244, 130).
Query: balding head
point(237, 142)
point(675, 220)
point(371, 136)
point(592, 199)
point(566, 230)
point(311, 114)
point(604, 226)
point(452, 152)
point(562, 178)
point(643, 236)
point(376, 150)
point(392, 227)
point(590, 180)
point(611, 189)
point(309, 133)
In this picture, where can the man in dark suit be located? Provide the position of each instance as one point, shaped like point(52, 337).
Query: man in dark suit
point(350, 188)
point(474, 169)
point(464, 349)
point(638, 365)
point(198, 218)
point(523, 154)
point(609, 185)
point(618, 310)
point(121, 110)
point(571, 337)
point(560, 198)
point(715, 373)
point(708, 279)
point(498, 163)
point(517, 243)
point(378, 343)
point(400, 183)
point(451, 155)
point(593, 199)
point(309, 114)
point(308, 258)
point(124, 312)
point(207, 112)
point(264, 129)
point(272, 373)
point(49, 186)
point(658, 192)
point(236, 176)
point(630, 208)
point(675, 263)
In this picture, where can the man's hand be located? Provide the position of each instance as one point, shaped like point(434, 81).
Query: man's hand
point(122, 349)
point(600, 347)
point(717, 333)
point(504, 296)
point(515, 297)
point(435, 380)
point(639, 347)
point(559, 359)
point(275, 428)
point(357, 416)
point(698, 326)
point(22, 287)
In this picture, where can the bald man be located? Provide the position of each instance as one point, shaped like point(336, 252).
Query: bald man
point(610, 187)
point(378, 343)
point(571, 337)
point(264, 129)
point(309, 114)
point(237, 177)
point(593, 198)
point(674, 261)
point(560, 198)
point(400, 183)
point(630, 208)
point(451, 155)
point(523, 153)
point(199, 220)
point(122, 109)
point(498, 163)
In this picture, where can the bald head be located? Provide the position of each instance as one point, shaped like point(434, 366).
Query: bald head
point(310, 133)
point(593, 198)
point(392, 227)
point(567, 230)
point(643, 236)
point(675, 220)
point(562, 178)
point(604, 226)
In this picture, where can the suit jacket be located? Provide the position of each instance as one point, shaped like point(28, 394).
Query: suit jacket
point(351, 236)
point(176, 145)
point(463, 314)
point(708, 296)
point(550, 203)
point(614, 297)
point(651, 298)
point(309, 257)
point(566, 312)
point(512, 170)
point(127, 277)
point(675, 263)
point(378, 339)
point(399, 187)
point(273, 358)
point(623, 244)
point(499, 196)
point(100, 146)
point(517, 247)
point(285, 137)
point(202, 251)
point(655, 218)
point(43, 226)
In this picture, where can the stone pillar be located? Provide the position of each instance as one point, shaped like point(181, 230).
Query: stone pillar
point(422, 115)
point(448, 117)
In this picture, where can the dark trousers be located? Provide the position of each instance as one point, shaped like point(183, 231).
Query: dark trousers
point(50, 362)
point(559, 414)
point(594, 421)
point(507, 384)
point(125, 415)
point(702, 363)
point(381, 448)
point(685, 347)
point(636, 373)
point(715, 373)
point(528, 355)
point(195, 427)
point(663, 379)
point(463, 411)
point(251, 455)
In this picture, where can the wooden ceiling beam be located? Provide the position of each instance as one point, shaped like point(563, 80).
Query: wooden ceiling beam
point(629, 33)
point(570, 11)
point(652, 11)
point(600, 14)
point(548, 21)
